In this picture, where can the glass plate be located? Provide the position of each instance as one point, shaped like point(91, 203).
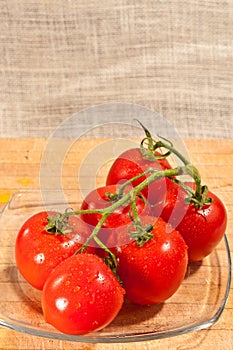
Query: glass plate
point(197, 304)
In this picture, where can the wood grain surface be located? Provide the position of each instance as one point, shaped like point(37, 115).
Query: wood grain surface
point(20, 168)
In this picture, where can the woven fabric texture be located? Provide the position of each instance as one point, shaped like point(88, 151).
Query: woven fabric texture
point(59, 57)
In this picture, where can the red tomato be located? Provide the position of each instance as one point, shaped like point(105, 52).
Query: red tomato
point(202, 229)
point(37, 251)
point(99, 199)
point(81, 295)
point(130, 164)
point(153, 272)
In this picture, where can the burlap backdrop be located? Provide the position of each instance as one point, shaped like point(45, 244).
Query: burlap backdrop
point(174, 57)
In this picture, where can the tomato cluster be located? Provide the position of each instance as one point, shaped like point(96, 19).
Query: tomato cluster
point(132, 238)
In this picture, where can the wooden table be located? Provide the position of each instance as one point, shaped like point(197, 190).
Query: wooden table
point(20, 161)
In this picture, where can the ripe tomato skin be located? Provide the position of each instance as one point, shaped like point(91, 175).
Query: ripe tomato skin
point(153, 272)
point(130, 164)
point(97, 199)
point(202, 229)
point(81, 295)
point(37, 252)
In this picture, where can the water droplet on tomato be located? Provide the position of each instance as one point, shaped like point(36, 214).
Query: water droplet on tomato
point(76, 289)
point(39, 258)
point(92, 298)
point(92, 277)
point(166, 246)
point(100, 277)
point(61, 303)
point(67, 283)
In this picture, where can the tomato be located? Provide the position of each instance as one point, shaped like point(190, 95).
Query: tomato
point(202, 228)
point(130, 164)
point(153, 272)
point(81, 295)
point(172, 192)
point(122, 216)
point(37, 251)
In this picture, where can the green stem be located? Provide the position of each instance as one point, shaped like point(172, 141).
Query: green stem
point(156, 174)
point(191, 169)
point(108, 251)
point(86, 211)
point(131, 195)
point(194, 173)
point(122, 200)
point(134, 208)
point(187, 188)
point(160, 144)
point(128, 182)
point(97, 227)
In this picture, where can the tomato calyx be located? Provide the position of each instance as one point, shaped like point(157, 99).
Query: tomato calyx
point(200, 200)
point(199, 196)
point(59, 224)
point(116, 196)
point(141, 234)
point(113, 197)
point(136, 230)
